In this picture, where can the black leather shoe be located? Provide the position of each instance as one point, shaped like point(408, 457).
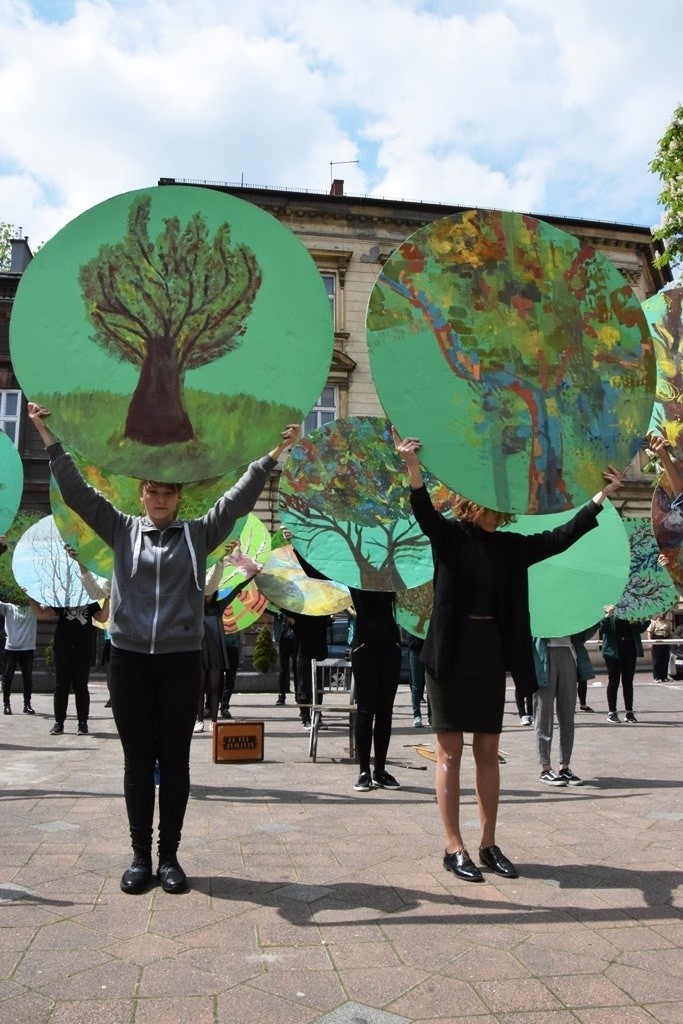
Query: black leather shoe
point(492, 857)
point(170, 874)
point(137, 877)
point(462, 865)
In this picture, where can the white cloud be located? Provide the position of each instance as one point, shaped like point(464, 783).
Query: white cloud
point(523, 104)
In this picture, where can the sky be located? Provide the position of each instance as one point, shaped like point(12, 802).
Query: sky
point(542, 106)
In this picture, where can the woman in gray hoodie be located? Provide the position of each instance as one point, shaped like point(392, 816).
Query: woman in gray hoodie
point(156, 628)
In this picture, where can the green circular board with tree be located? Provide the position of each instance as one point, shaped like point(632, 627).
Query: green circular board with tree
point(166, 331)
point(518, 355)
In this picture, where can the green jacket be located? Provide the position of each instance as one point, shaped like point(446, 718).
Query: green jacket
point(608, 629)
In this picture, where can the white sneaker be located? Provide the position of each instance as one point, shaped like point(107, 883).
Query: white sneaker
point(526, 720)
point(417, 722)
point(198, 727)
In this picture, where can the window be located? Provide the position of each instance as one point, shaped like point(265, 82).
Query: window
point(330, 282)
point(10, 408)
point(324, 411)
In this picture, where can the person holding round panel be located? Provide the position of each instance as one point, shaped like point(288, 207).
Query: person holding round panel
point(480, 627)
point(156, 627)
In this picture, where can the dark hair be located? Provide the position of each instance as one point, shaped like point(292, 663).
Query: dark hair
point(471, 512)
point(178, 488)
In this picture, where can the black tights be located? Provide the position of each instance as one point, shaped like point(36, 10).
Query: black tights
point(24, 659)
point(376, 671)
point(211, 686)
point(72, 670)
point(154, 702)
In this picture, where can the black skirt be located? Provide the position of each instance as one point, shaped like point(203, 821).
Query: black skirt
point(472, 698)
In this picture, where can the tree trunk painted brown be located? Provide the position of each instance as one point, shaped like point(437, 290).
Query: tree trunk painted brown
point(157, 414)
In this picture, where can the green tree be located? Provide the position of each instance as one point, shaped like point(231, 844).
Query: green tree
point(265, 653)
point(668, 164)
point(7, 232)
point(168, 306)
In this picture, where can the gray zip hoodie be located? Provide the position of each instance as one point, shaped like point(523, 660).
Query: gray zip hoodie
point(157, 593)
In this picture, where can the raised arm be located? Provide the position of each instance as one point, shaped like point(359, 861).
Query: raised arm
point(659, 445)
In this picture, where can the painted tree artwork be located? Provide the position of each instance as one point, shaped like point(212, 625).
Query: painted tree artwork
point(667, 527)
point(11, 481)
point(124, 493)
point(568, 592)
point(518, 355)
point(414, 608)
point(246, 556)
point(664, 313)
point(649, 590)
point(284, 583)
point(343, 495)
point(42, 567)
point(10, 590)
point(184, 316)
point(245, 610)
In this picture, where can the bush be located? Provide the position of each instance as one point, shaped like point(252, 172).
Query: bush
point(265, 652)
point(49, 656)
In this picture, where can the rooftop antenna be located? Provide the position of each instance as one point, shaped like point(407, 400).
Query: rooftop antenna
point(336, 163)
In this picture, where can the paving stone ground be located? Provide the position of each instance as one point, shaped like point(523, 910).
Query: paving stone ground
point(310, 902)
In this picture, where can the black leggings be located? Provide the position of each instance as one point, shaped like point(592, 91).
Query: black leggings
point(24, 659)
point(72, 671)
point(622, 668)
point(154, 703)
point(376, 670)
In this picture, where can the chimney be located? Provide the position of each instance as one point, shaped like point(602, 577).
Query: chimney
point(337, 187)
point(21, 255)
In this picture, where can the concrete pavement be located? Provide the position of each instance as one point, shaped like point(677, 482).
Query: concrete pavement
point(313, 903)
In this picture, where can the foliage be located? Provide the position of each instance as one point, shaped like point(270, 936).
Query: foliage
point(7, 232)
point(265, 652)
point(668, 164)
point(168, 306)
point(10, 590)
point(49, 655)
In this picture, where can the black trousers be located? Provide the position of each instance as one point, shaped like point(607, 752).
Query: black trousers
point(24, 659)
point(621, 669)
point(376, 670)
point(287, 649)
point(660, 661)
point(72, 671)
point(233, 654)
point(154, 703)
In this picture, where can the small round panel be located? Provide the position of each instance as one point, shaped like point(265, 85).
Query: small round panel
point(11, 481)
point(42, 567)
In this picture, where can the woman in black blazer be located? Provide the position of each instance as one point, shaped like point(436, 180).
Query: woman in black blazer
point(480, 628)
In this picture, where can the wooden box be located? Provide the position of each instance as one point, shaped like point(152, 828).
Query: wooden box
point(237, 741)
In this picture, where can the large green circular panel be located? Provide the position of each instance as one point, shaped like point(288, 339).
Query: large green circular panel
point(568, 592)
point(649, 590)
point(343, 496)
point(519, 356)
point(166, 330)
point(11, 481)
point(664, 313)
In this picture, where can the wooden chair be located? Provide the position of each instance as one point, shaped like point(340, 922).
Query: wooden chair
point(333, 682)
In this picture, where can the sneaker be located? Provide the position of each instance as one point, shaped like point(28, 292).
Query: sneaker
point(198, 727)
point(225, 712)
point(7, 710)
point(82, 728)
point(525, 720)
point(551, 779)
point(568, 775)
point(28, 710)
point(383, 780)
point(631, 718)
point(417, 722)
point(364, 782)
point(280, 702)
point(107, 704)
point(306, 724)
point(613, 718)
point(584, 707)
point(56, 729)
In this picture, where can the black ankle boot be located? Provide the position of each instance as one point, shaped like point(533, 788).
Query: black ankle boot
point(137, 877)
point(171, 876)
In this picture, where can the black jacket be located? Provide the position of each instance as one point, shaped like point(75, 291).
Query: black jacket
point(451, 541)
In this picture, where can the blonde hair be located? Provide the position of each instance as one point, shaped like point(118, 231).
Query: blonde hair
point(471, 512)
